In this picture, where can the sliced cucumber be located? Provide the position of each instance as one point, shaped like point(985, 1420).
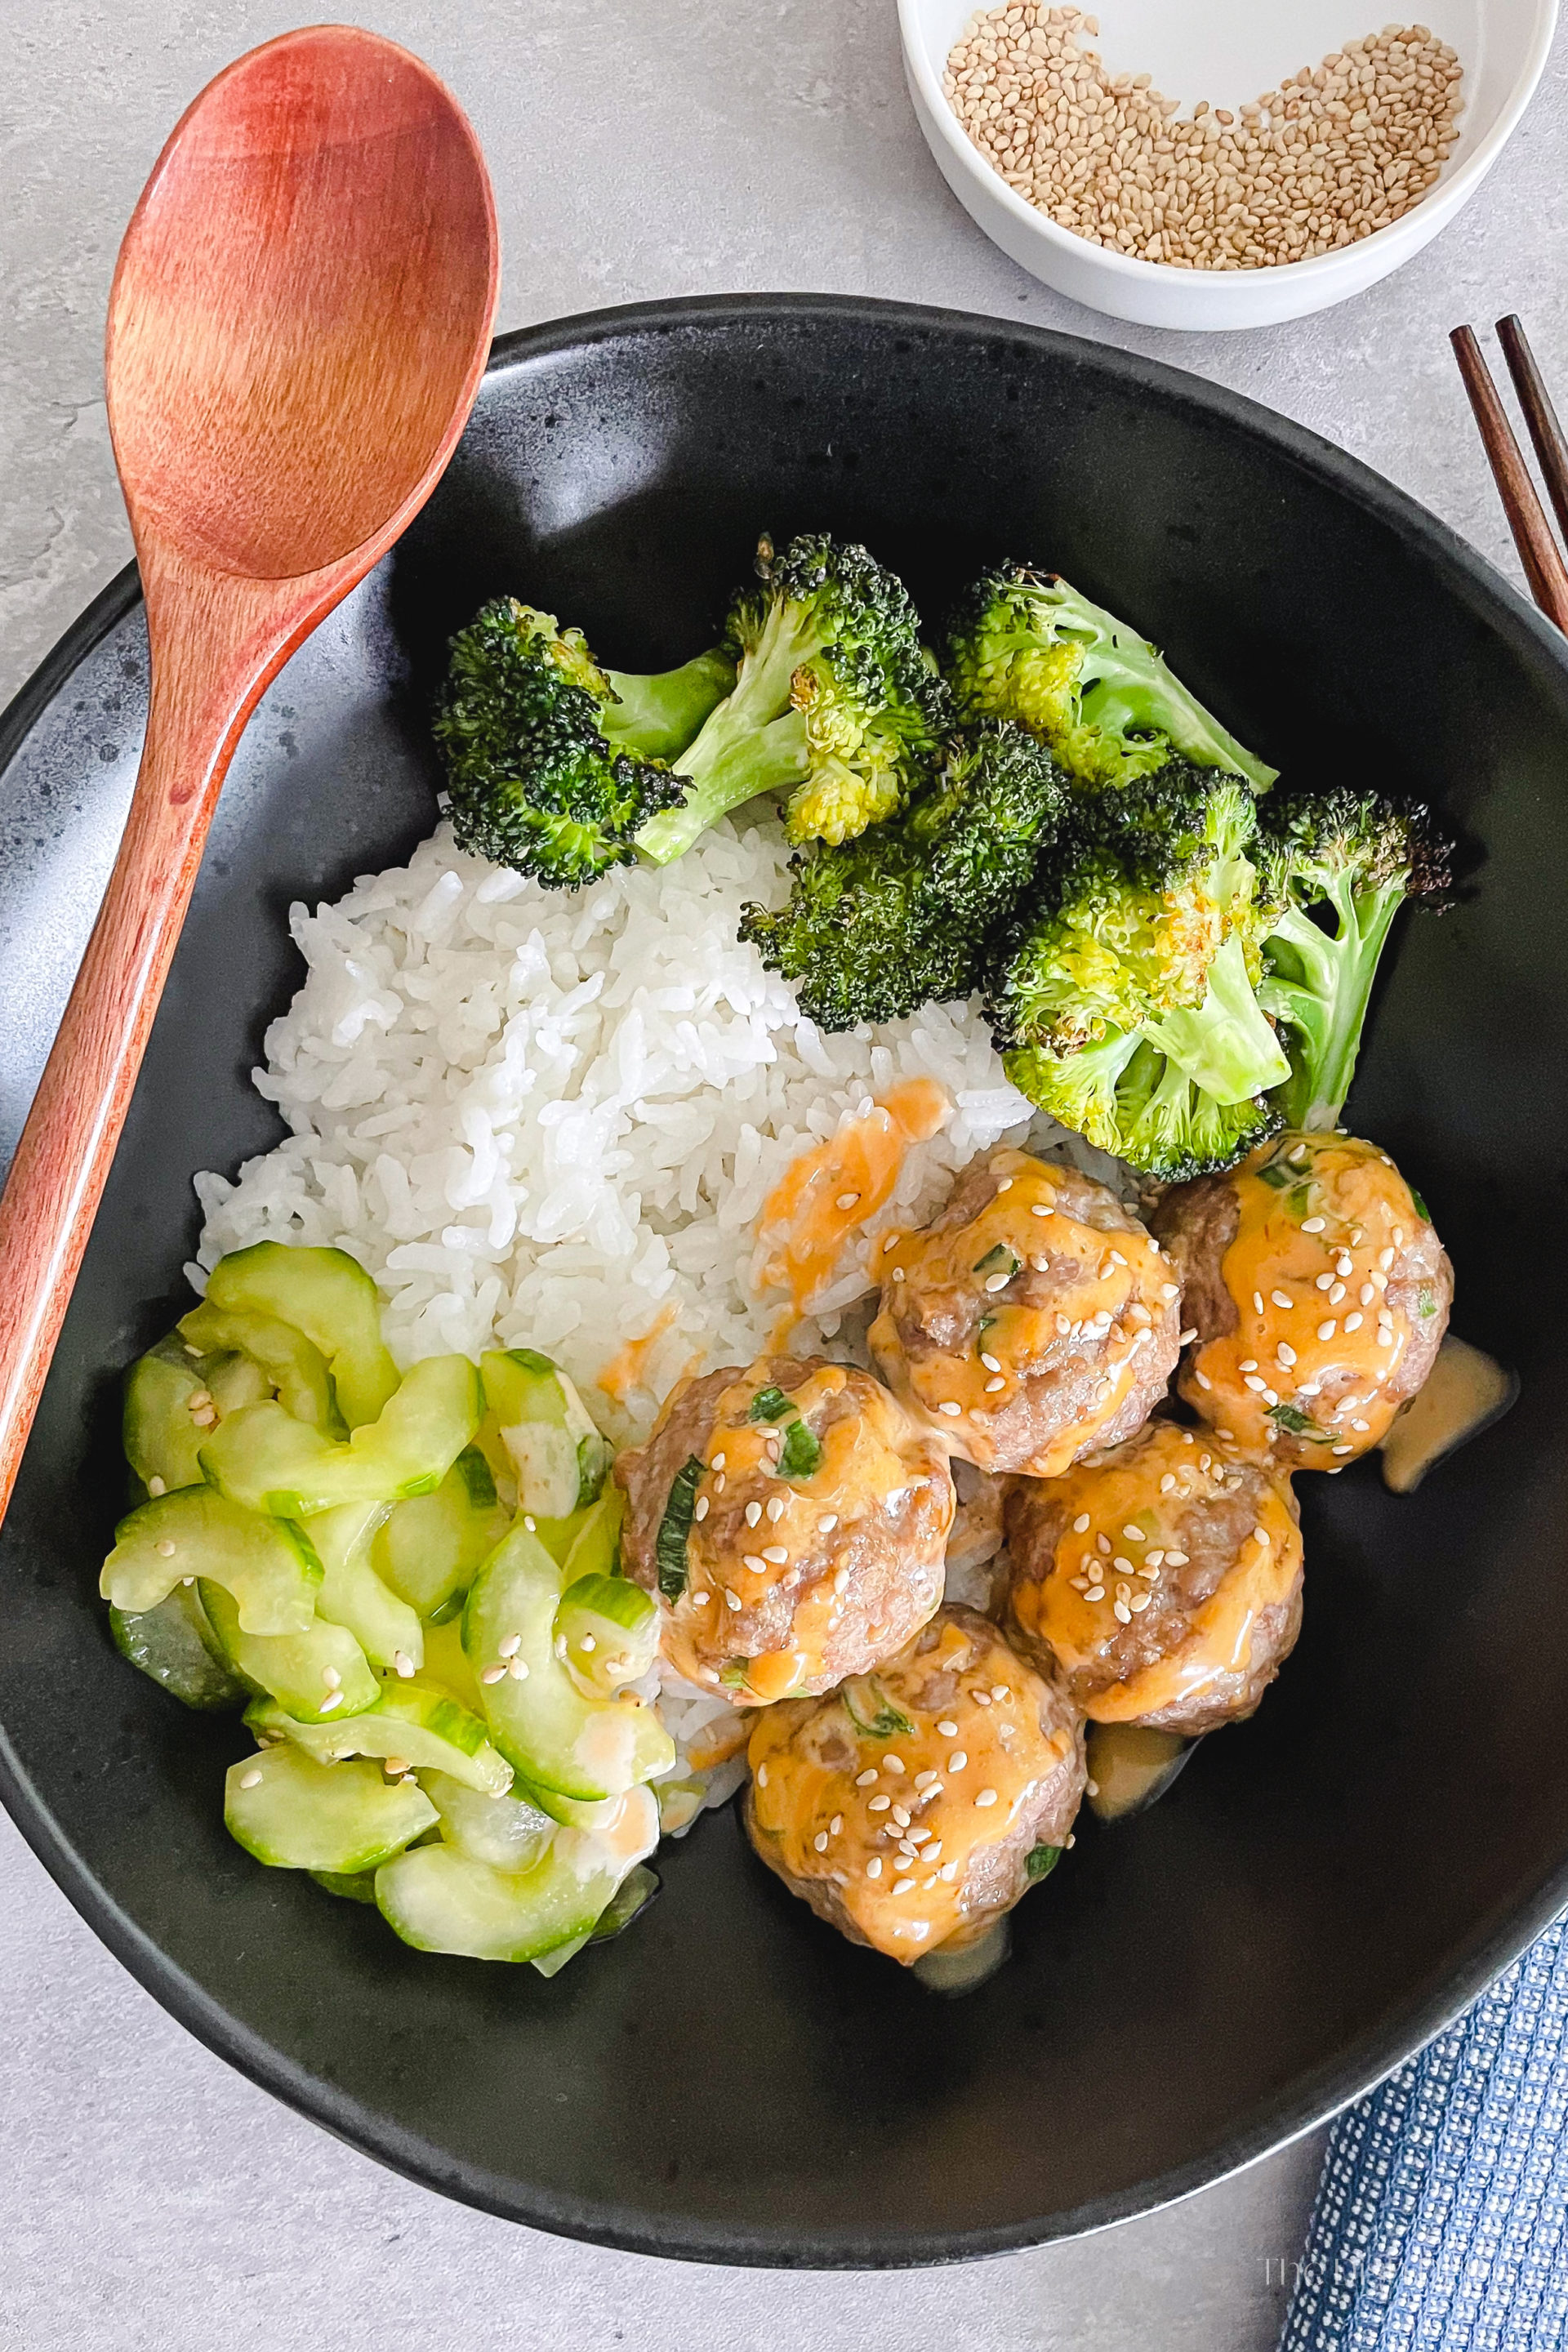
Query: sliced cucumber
point(269, 1566)
point(272, 1463)
point(177, 1646)
point(626, 1826)
point(539, 1719)
point(294, 1365)
point(352, 1593)
point(560, 1456)
point(353, 1885)
point(441, 1900)
point(318, 1675)
point(158, 1435)
point(417, 1721)
point(329, 1297)
point(607, 1631)
point(446, 1662)
point(506, 1832)
point(295, 1814)
point(430, 1547)
point(629, 1901)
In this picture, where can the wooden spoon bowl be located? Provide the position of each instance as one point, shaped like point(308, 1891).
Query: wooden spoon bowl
point(297, 329)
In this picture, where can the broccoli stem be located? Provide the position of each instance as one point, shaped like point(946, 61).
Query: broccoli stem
point(730, 762)
point(1321, 984)
point(1226, 1045)
point(657, 717)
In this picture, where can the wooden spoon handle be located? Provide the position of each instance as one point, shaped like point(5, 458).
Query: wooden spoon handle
point(205, 681)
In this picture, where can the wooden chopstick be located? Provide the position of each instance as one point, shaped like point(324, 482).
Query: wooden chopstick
point(1538, 551)
point(1551, 444)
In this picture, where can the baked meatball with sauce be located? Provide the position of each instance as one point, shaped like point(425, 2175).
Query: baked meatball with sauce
point(1318, 1291)
point(1030, 1322)
point(1161, 1581)
point(793, 1520)
point(905, 1806)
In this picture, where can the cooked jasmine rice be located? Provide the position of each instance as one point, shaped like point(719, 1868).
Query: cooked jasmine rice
point(550, 1118)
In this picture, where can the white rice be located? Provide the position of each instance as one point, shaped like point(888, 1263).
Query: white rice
point(550, 1118)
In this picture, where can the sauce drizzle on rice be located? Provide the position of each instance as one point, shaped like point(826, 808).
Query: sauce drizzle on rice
point(628, 1368)
point(832, 1189)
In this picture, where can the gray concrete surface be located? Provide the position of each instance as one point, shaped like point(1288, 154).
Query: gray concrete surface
point(639, 147)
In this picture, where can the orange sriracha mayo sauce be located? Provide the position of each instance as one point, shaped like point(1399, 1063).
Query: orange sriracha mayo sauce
point(832, 1190)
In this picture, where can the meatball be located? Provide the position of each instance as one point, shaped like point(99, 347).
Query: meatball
point(818, 1518)
point(1319, 1293)
point(1032, 1321)
point(1162, 1580)
point(905, 1807)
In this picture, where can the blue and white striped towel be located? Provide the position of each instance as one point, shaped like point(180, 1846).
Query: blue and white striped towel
point(1441, 2224)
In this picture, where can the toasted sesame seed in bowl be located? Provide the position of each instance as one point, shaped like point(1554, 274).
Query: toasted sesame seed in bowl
point(1212, 163)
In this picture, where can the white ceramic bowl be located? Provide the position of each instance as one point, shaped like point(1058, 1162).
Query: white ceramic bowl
point(1227, 51)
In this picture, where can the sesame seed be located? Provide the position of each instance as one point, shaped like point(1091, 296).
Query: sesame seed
point(1259, 1386)
point(1202, 1380)
point(251, 1780)
point(864, 1779)
point(874, 1867)
point(1283, 1298)
point(1081, 1524)
point(1122, 1613)
point(1124, 1564)
point(164, 1549)
point(847, 1200)
point(1249, 1364)
point(1336, 1294)
point(731, 1599)
point(952, 1410)
point(755, 1561)
point(1103, 1545)
point(835, 1824)
point(994, 1386)
point(983, 1797)
point(332, 1699)
point(1186, 1338)
point(1095, 1592)
point(879, 1804)
point(718, 1484)
point(402, 1663)
point(1169, 1291)
point(1140, 1600)
point(900, 1815)
point(1257, 1302)
point(898, 1275)
point(717, 1461)
point(1326, 1330)
point(894, 1764)
point(1313, 1224)
point(1038, 1209)
point(776, 1554)
point(330, 1676)
point(492, 1674)
point(1261, 1535)
point(531, 1523)
point(753, 1513)
point(1175, 1559)
point(820, 1841)
point(1366, 1294)
point(761, 1775)
point(1285, 1354)
point(699, 1599)
point(949, 1871)
point(958, 1761)
point(1363, 1427)
point(998, 1281)
point(1117, 1258)
point(1135, 1535)
point(700, 1512)
point(1354, 1322)
point(1341, 1449)
point(156, 1485)
point(902, 1885)
point(990, 1362)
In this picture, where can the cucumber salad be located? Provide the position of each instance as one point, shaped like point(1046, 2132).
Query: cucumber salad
point(411, 1587)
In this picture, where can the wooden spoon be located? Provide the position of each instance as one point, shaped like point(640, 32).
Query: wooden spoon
point(297, 330)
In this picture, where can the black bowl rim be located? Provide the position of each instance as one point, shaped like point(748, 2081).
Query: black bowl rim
point(1367, 2059)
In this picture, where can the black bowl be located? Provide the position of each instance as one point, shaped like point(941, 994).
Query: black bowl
point(1326, 1885)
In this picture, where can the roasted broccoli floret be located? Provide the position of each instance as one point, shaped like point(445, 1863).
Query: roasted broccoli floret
point(1131, 1099)
point(835, 704)
point(1023, 645)
point(1142, 931)
point(551, 763)
point(1339, 866)
point(901, 916)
